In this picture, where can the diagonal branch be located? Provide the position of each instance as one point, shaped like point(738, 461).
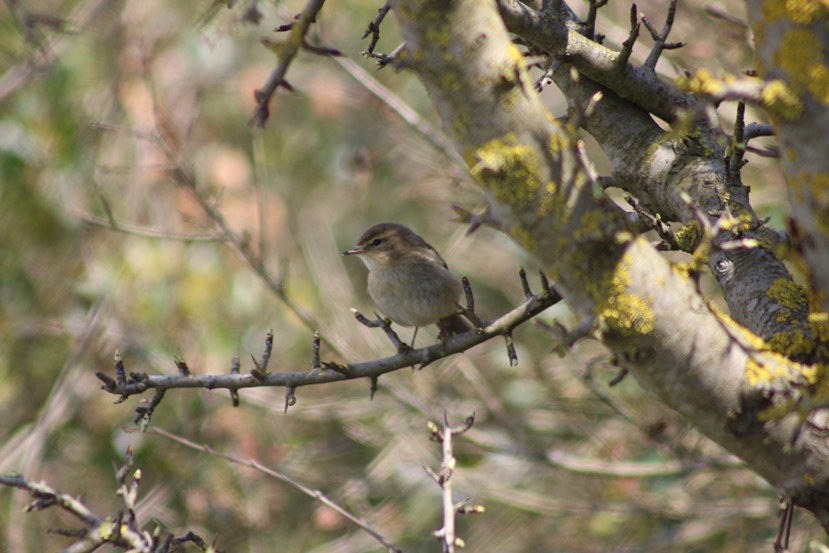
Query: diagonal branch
point(637, 84)
point(288, 52)
point(285, 479)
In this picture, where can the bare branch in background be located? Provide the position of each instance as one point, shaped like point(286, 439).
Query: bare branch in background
point(122, 530)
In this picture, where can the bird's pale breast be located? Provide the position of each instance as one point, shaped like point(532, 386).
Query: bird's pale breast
point(414, 296)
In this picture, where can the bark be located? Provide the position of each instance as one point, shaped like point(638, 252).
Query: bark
point(720, 375)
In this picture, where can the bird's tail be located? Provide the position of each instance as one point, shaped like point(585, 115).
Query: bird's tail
point(453, 325)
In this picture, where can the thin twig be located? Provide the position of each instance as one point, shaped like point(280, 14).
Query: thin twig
point(185, 177)
point(660, 38)
point(734, 160)
point(288, 52)
point(401, 108)
point(121, 530)
point(443, 478)
point(627, 45)
point(374, 28)
point(146, 232)
point(590, 24)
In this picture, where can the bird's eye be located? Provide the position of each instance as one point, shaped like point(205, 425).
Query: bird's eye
point(376, 242)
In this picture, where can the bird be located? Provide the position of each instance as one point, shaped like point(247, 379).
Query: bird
point(409, 280)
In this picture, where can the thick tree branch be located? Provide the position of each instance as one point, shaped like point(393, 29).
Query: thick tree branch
point(647, 312)
point(638, 84)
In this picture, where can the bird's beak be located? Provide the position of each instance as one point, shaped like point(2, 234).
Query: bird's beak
point(356, 250)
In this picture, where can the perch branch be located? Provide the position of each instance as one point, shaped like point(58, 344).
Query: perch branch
point(333, 372)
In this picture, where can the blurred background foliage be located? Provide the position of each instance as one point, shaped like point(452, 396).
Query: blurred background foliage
point(76, 142)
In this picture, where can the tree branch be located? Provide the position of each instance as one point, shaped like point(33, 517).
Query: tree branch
point(649, 313)
point(333, 372)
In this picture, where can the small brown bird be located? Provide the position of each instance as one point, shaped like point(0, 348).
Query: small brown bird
point(409, 280)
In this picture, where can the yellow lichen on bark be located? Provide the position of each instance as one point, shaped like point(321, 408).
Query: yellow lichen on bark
point(792, 343)
point(820, 325)
point(781, 102)
point(787, 293)
point(801, 55)
point(618, 309)
point(817, 186)
point(802, 12)
point(509, 169)
point(688, 236)
point(755, 341)
point(757, 372)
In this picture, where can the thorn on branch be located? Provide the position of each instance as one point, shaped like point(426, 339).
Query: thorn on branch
point(513, 356)
point(590, 24)
point(756, 130)
point(315, 351)
point(235, 366)
point(627, 45)
point(466, 425)
point(143, 414)
point(374, 380)
point(261, 371)
point(581, 114)
point(566, 338)
point(465, 509)
point(545, 284)
point(181, 365)
point(474, 220)
point(432, 473)
point(374, 27)
point(109, 382)
point(320, 50)
point(385, 59)
point(336, 367)
point(522, 274)
point(660, 38)
point(650, 220)
point(559, 333)
point(384, 324)
point(467, 292)
point(469, 310)
point(120, 373)
point(618, 378)
point(556, 8)
point(290, 397)
point(547, 78)
point(784, 528)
